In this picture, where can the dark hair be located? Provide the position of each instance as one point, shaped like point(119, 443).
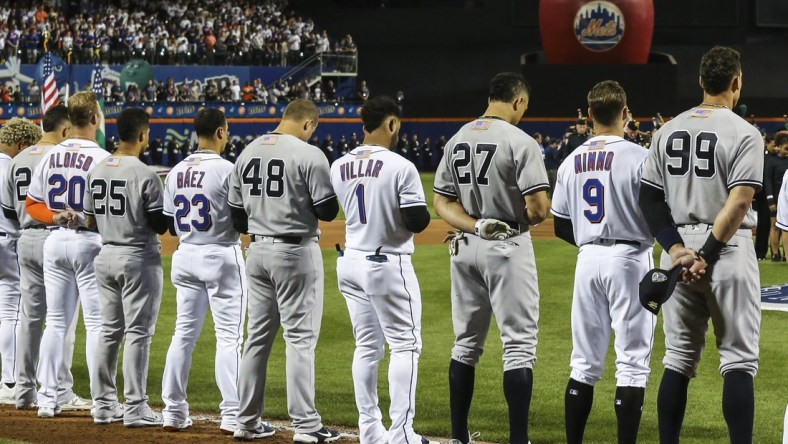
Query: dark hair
point(606, 99)
point(768, 138)
point(207, 121)
point(375, 111)
point(506, 86)
point(54, 117)
point(781, 138)
point(131, 122)
point(718, 67)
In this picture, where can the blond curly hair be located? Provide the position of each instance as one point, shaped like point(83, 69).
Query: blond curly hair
point(19, 130)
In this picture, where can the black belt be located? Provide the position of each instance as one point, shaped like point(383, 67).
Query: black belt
point(514, 226)
point(36, 227)
point(609, 242)
point(295, 240)
point(3, 234)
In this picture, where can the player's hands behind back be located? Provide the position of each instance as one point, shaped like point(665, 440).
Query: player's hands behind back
point(66, 218)
point(694, 266)
point(492, 229)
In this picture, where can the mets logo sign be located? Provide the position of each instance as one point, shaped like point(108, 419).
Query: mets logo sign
point(599, 26)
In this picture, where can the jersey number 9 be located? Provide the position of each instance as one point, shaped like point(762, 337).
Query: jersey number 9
point(594, 195)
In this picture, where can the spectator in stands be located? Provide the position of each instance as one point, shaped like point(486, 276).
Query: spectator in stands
point(353, 142)
point(552, 160)
point(413, 148)
point(16, 94)
point(363, 91)
point(317, 93)
point(247, 92)
point(116, 92)
point(211, 92)
point(195, 91)
point(437, 152)
point(33, 92)
point(774, 172)
point(327, 146)
point(330, 91)
point(5, 94)
point(425, 155)
point(132, 94)
point(150, 91)
point(403, 145)
point(323, 43)
point(235, 91)
point(260, 93)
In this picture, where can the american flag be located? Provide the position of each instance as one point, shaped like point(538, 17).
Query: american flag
point(49, 94)
point(98, 80)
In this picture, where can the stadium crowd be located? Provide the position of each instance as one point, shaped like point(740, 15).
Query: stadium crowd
point(209, 32)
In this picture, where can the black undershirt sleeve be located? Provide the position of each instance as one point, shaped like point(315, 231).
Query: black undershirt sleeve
point(157, 221)
point(563, 229)
point(240, 219)
point(660, 221)
point(416, 218)
point(328, 210)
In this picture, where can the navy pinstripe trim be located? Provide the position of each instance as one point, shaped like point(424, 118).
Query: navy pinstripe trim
point(652, 184)
point(537, 188)
point(413, 204)
point(166, 213)
point(35, 198)
point(154, 208)
point(234, 205)
point(444, 193)
point(8, 208)
point(89, 213)
point(782, 226)
point(415, 342)
point(559, 214)
point(745, 182)
point(325, 199)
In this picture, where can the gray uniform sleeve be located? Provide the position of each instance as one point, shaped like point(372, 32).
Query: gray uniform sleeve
point(317, 176)
point(88, 204)
point(652, 169)
point(411, 192)
point(168, 206)
point(235, 192)
point(531, 174)
point(444, 182)
point(151, 191)
point(747, 166)
point(7, 198)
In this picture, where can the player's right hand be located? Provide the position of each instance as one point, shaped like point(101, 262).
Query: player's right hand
point(492, 229)
point(687, 258)
point(66, 218)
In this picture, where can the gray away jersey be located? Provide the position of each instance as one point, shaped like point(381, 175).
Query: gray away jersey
point(277, 180)
point(697, 158)
point(7, 226)
point(195, 196)
point(597, 188)
point(121, 189)
point(20, 174)
point(488, 166)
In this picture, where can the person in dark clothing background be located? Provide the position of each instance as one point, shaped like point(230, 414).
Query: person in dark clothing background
point(575, 138)
point(773, 180)
point(763, 229)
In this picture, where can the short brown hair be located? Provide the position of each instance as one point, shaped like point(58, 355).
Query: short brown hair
point(81, 107)
point(300, 109)
point(607, 100)
point(19, 130)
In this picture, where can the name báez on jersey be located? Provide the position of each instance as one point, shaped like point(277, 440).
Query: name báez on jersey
point(593, 161)
point(360, 168)
point(79, 161)
point(190, 179)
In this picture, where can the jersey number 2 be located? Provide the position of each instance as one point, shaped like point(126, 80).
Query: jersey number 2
point(594, 195)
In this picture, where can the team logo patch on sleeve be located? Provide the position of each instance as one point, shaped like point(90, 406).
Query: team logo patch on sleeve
point(481, 125)
point(702, 113)
point(113, 161)
point(268, 139)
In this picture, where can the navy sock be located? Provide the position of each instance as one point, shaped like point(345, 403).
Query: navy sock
point(629, 409)
point(517, 385)
point(738, 406)
point(461, 379)
point(671, 403)
point(578, 400)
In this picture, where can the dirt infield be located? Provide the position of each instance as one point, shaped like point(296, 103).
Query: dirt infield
point(333, 233)
point(78, 427)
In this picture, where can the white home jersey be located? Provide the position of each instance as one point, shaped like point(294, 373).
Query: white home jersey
point(60, 180)
point(9, 227)
point(782, 209)
point(17, 182)
point(195, 195)
point(597, 187)
point(697, 158)
point(373, 184)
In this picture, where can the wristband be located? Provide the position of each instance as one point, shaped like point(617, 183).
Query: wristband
point(668, 237)
point(710, 251)
point(477, 227)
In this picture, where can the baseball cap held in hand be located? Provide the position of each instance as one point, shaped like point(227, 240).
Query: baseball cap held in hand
point(657, 286)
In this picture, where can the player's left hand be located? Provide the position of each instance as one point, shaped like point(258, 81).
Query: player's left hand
point(492, 229)
point(693, 266)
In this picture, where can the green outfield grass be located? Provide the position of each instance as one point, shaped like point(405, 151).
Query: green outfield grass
point(704, 422)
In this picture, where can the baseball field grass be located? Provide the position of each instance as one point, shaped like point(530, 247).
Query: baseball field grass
point(555, 260)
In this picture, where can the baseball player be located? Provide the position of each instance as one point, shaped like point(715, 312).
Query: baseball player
point(207, 270)
point(123, 200)
point(15, 135)
point(491, 185)
point(699, 179)
point(31, 262)
point(279, 188)
point(383, 200)
point(55, 198)
point(595, 204)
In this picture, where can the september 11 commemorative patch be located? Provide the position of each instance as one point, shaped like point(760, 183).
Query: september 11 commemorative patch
point(775, 298)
